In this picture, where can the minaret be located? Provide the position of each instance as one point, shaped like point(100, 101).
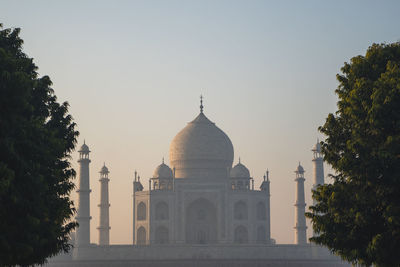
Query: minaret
point(104, 226)
point(83, 217)
point(265, 187)
point(318, 166)
point(300, 237)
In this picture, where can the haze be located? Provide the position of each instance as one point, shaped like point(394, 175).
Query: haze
point(133, 72)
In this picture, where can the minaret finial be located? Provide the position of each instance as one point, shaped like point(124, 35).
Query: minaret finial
point(201, 104)
point(135, 176)
point(267, 175)
point(162, 160)
point(239, 160)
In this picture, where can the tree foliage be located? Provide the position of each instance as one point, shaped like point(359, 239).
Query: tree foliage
point(37, 136)
point(358, 216)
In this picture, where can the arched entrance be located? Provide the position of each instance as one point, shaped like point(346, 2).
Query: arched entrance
point(241, 236)
point(162, 211)
point(141, 236)
point(161, 235)
point(240, 211)
point(201, 222)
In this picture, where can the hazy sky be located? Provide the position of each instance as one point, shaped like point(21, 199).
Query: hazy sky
point(133, 72)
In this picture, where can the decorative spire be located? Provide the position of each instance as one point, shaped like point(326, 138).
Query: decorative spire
point(267, 173)
point(135, 176)
point(239, 160)
point(84, 141)
point(162, 160)
point(201, 104)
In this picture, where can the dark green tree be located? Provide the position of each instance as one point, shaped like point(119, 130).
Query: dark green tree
point(37, 136)
point(358, 216)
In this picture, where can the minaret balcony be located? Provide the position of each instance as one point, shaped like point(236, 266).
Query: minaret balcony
point(83, 217)
point(84, 190)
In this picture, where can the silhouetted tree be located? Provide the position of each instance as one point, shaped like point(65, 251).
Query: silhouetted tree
point(358, 216)
point(37, 136)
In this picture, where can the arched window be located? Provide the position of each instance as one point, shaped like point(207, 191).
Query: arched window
point(162, 211)
point(141, 212)
point(241, 236)
point(201, 237)
point(261, 234)
point(161, 235)
point(240, 210)
point(239, 185)
point(201, 215)
point(141, 236)
point(162, 185)
point(260, 211)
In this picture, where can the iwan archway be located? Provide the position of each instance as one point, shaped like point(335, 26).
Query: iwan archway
point(201, 222)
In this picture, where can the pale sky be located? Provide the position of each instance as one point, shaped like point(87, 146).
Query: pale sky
point(133, 72)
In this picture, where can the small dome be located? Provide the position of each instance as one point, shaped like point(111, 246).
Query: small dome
point(104, 169)
point(317, 147)
point(240, 171)
point(299, 169)
point(163, 171)
point(84, 148)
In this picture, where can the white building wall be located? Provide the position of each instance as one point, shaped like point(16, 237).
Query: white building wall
point(157, 196)
point(142, 197)
point(219, 194)
point(251, 198)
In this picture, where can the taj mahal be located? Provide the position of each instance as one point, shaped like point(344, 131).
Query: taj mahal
point(200, 209)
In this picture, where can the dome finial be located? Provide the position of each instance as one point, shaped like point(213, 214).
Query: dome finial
point(239, 160)
point(201, 104)
point(162, 160)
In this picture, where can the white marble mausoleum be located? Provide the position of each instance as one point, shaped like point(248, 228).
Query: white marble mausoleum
point(201, 207)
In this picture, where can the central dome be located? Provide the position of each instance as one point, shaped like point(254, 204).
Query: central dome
point(201, 150)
